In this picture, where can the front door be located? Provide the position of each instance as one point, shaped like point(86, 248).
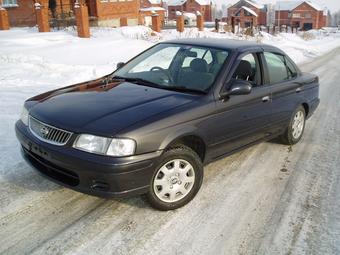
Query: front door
point(242, 119)
point(92, 5)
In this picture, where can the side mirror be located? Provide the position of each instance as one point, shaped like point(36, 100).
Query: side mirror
point(120, 65)
point(238, 87)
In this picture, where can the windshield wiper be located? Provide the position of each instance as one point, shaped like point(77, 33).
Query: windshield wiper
point(185, 89)
point(138, 81)
point(155, 85)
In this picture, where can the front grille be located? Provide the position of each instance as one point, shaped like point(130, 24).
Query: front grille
point(48, 133)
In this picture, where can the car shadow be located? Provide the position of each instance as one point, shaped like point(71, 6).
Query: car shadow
point(276, 140)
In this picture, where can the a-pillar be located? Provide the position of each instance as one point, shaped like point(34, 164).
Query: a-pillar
point(156, 23)
point(180, 22)
point(41, 10)
point(82, 17)
point(123, 21)
point(200, 21)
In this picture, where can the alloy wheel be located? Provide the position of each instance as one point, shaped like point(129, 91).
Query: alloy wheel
point(298, 124)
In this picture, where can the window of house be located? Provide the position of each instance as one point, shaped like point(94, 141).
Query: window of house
point(246, 13)
point(308, 15)
point(9, 3)
point(277, 69)
point(296, 15)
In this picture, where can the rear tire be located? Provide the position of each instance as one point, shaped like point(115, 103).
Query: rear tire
point(176, 180)
point(295, 128)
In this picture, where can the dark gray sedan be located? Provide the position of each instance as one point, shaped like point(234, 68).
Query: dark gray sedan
point(151, 125)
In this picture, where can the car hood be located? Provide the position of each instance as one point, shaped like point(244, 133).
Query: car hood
point(103, 109)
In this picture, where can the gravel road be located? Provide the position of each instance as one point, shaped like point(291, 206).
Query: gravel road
point(268, 199)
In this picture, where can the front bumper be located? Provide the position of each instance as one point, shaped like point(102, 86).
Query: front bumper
point(92, 174)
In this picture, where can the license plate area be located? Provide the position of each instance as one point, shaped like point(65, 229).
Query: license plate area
point(36, 149)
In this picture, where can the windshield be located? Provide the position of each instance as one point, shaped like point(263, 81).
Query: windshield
point(175, 66)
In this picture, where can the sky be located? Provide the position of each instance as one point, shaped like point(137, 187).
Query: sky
point(332, 5)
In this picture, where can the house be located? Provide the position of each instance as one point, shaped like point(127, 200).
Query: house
point(247, 13)
point(102, 12)
point(305, 15)
point(145, 15)
point(20, 12)
point(190, 6)
point(109, 12)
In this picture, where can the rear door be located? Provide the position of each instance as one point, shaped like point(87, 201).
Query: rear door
point(281, 78)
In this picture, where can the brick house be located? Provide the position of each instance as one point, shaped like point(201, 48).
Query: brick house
point(190, 6)
point(149, 8)
point(305, 15)
point(246, 13)
point(145, 15)
point(102, 12)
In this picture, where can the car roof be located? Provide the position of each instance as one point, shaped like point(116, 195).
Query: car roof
point(227, 44)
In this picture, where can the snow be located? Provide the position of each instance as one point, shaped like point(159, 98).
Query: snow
point(176, 2)
point(249, 10)
point(291, 5)
point(60, 58)
point(32, 62)
point(189, 15)
point(255, 4)
point(181, 2)
point(301, 210)
point(152, 9)
point(155, 1)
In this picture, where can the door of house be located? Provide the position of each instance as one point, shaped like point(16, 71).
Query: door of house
point(92, 5)
point(307, 26)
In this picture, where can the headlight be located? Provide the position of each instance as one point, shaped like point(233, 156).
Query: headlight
point(24, 116)
point(121, 147)
point(105, 146)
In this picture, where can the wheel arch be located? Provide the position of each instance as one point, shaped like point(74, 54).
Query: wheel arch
point(188, 137)
point(306, 107)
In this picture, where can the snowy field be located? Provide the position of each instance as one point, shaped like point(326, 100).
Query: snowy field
point(32, 62)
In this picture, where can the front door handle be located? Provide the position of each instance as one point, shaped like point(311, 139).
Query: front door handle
point(298, 90)
point(265, 99)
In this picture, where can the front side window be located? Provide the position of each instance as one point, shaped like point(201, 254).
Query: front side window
point(277, 69)
point(176, 66)
point(248, 70)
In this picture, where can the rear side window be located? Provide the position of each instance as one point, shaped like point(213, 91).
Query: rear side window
point(292, 72)
point(277, 69)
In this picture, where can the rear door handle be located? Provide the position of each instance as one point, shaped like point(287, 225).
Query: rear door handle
point(298, 90)
point(265, 99)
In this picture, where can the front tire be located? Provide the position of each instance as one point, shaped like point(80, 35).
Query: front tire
point(296, 127)
point(176, 180)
